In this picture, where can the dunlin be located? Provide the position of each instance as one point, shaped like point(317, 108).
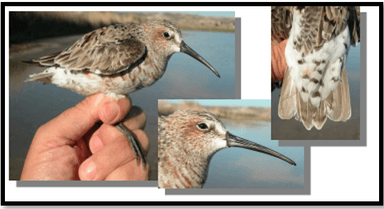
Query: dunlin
point(116, 60)
point(315, 85)
point(186, 143)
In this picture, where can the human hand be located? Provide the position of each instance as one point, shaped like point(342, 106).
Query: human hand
point(73, 146)
point(278, 62)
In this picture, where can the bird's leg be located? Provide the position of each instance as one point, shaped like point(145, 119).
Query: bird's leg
point(135, 145)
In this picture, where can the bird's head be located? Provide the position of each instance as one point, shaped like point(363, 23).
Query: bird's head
point(202, 133)
point(167, 39)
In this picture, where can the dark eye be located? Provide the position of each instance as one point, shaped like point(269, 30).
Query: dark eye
point(166, 34)
point(203, 126)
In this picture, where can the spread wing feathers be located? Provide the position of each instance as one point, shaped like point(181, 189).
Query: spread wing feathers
point(336, 107)
point(338, 102)
point(105, 51)
point(315, 85)
point(287, 105)
point(281, 23)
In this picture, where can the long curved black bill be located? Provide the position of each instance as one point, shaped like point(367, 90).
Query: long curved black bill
point(235, 141)
point(186, 49)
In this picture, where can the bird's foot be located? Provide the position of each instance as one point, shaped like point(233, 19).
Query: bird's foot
point(135, 145)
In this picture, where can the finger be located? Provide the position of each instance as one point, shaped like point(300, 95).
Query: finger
point(107, 133)
point(87, 136)
point(76, 121)
point(129, 172)
point(135, 119)
point(111, 156)
point(278, 62)
point(110, 113)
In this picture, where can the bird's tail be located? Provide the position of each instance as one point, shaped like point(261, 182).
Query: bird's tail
point(336, 107)
point(45, 77)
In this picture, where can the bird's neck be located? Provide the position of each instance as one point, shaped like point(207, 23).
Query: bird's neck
point(158, 59)
point(185, 169)
point(181, 167)
point(153, 66)
point(182, 164)
point(185, 174)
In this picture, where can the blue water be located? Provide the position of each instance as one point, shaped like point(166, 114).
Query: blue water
point(33, 104)
point(242, 168)
point(187, 78)
point(350, 130)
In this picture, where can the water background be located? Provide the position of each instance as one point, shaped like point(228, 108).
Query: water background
point(32, 104)
point(242, 168)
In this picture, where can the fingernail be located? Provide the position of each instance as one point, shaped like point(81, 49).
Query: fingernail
point(111, 110)
point(90, 170)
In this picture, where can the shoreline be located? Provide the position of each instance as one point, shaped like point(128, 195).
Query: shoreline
point(261, 114)
point(39, 25)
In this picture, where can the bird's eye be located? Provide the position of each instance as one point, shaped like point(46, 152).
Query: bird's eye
point(203, 126)
point(166, 34)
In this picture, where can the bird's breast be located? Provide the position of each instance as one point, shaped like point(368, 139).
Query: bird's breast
point(184, 175)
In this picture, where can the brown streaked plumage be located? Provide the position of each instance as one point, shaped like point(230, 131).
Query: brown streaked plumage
point(281, 24)
point(101, 59)
point(116, 60)
point(187, 140)
point(315, 85)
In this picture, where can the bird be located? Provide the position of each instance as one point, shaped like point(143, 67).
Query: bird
point(187, 140)
point(315, 85)
point(116, 60)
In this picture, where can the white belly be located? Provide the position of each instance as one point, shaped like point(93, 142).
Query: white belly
point(318, 73)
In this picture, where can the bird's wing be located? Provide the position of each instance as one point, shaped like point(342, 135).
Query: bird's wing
point(316, 86)
point(338, 102)
point(104, 51)
point(281, 23)
point(354, 24)
point(287, 104)
point(322, 24)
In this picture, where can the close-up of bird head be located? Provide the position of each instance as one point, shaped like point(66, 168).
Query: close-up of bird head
point(187, 141)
